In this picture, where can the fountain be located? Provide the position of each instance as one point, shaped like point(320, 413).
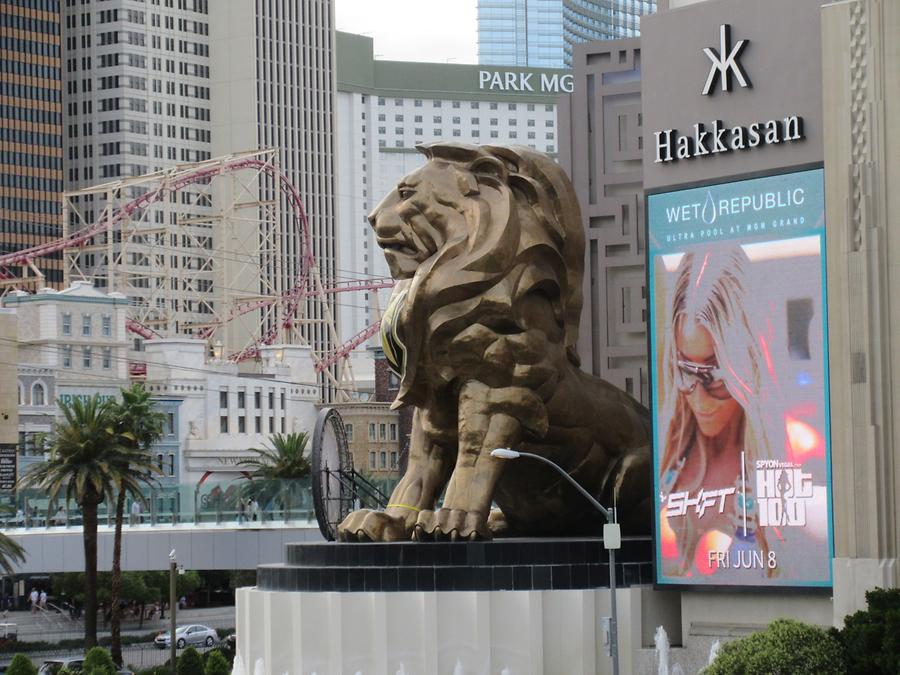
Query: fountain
point(661, 642)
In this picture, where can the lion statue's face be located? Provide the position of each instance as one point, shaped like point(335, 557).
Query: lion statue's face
point(416, 219)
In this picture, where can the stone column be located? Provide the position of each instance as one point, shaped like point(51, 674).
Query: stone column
point(861, 92)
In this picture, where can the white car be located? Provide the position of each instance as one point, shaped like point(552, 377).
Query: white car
point(193, 634)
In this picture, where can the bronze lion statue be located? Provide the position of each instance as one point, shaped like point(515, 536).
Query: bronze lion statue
point(487, 248)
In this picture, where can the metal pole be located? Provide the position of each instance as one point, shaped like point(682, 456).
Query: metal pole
point(610, 516)
point(613, 621)
point(173, 572)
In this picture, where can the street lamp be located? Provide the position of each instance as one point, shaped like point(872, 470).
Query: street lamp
point(612, 539)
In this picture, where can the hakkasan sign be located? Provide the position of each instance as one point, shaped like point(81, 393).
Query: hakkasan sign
point(739, 382)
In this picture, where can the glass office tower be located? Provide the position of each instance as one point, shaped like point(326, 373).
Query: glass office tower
point(541, 33)
point(588, 20)
point(520, 33)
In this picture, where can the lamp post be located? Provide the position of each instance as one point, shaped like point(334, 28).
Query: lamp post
point(173, 571)
point(612, 539)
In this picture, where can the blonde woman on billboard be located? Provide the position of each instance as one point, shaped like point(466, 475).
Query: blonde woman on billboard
point(719, 411)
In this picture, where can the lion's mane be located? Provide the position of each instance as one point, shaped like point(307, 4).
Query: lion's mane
point(523, 234)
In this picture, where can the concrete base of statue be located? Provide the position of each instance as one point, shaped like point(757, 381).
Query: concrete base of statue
point(510, 607)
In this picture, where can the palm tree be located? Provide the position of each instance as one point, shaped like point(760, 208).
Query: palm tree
point(285, 461)
point(10, 553)
point(138, 426)
point(85, 464)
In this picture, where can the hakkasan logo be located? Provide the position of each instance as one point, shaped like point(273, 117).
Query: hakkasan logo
point(715, 137)
point(711, 209)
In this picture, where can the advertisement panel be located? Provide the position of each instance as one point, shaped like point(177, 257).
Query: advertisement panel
point(739, 382)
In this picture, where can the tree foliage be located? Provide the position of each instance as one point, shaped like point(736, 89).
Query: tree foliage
point(285, 459)
point(871, 638)
point(217, 664)
point(85, 466)
point(785, 647)
point(98, 662)
point(190, 663)
point(21, 665)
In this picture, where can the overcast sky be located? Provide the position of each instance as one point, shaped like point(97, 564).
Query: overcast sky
point(414, 30)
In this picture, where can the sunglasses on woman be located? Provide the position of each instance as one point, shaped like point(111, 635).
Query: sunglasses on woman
point(689, 374)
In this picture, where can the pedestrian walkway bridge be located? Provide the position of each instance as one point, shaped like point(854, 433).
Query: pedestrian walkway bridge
point(201, 546)
point(227, 525)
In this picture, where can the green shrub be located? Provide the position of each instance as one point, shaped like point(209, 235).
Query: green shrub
point(217, 664)
point(98, 662)
point(190, 663)
point(786, 647)
point(21, 665)
point(871, 638)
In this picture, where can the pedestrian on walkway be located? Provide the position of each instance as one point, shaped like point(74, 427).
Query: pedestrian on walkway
point(136, 512)
point(34, 598)
point(43, 599)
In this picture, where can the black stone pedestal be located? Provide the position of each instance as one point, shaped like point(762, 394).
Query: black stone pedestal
point(503, 564)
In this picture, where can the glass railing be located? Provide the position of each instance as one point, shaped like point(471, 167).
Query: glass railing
point(233, 503)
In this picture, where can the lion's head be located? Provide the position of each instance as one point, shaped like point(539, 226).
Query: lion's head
point(470, 234)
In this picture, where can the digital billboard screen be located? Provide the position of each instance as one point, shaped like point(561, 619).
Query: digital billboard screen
point(739, 381)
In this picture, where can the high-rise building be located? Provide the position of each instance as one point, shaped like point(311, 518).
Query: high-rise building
point(273, 87)
point(588, 20)
point(30, 133)
point(541, 33)
point(527, 33)
point(136, 78)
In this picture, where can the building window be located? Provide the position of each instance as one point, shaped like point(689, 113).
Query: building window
point(107, 358)
point(37, 394)
point(257, 399)
point(223, 424)
point(242, 425)
point(283, 425)
point(66, 324)
point(223, 399)
point(271, 400)
point(21, 395)
point(348, 428)
point(393, 432)
point(283, 400)
point(67, 356)
point(106, 325)
point(271, 425)
point(86, 358)
point(258, 425)
point(393, 460)
point(382, 431)
point(371, 431)
point(170, 423)
point(171, 471)
point(242, 400)
point(371, 460)
point(383, 458)
point(86, 325)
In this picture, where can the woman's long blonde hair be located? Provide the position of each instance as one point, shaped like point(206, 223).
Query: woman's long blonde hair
point(711, 289)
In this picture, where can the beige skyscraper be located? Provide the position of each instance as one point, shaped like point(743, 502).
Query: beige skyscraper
point(273, 87)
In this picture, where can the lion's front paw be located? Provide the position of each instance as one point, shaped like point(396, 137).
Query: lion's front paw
point(452, 524)
point(366, 525)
